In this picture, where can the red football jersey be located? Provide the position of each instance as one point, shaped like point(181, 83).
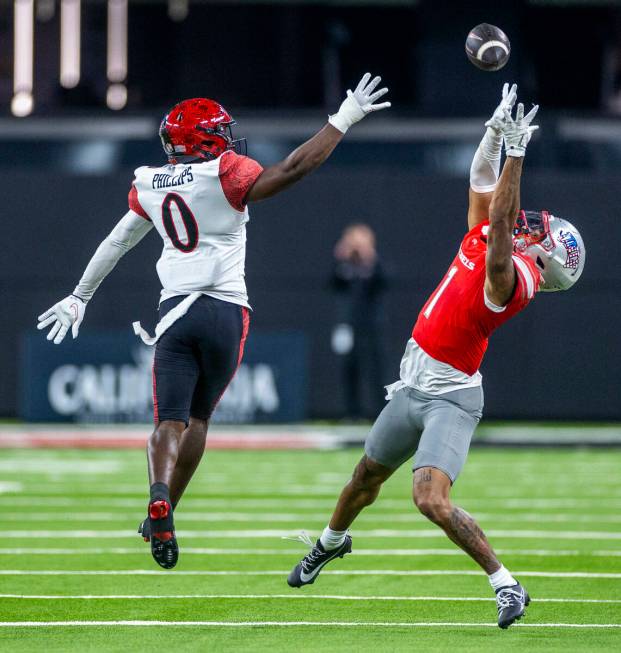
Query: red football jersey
point(455, 324)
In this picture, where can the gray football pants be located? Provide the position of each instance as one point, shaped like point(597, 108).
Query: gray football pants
point(435, 429)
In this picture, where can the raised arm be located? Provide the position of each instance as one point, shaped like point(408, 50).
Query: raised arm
point(485, 167)
point(315, 151)
point(69, 312)
point(500, 271)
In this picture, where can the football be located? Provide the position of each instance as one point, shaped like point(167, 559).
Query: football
point(488, 47)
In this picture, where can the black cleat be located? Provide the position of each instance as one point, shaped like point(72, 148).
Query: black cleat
point(313, 562)
point(144, 529)
point(161, 532)
point(511, 602)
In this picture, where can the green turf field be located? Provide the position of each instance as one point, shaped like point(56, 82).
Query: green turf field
point(70, 554)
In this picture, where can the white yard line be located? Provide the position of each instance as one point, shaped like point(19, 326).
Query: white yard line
point(297, 503)
point(329, 597)
point(540, 553)
point(350, 572)
point(434, 533)
point(280, 624)
point(208, 517)
point(61, 467)
point(60, 487)
point(7, 487)
point(565, 502)
point(129, 476)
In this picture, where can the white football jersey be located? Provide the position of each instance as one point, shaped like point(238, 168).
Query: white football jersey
point(199, 211)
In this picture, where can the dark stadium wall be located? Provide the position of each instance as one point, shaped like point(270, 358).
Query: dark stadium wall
point(558, 360)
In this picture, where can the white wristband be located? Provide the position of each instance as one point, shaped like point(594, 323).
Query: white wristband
point(349, 113)
point(77, 295)
point(340, 123)
point(515, 152)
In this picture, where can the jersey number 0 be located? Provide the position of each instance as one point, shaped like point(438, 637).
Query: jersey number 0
point(188, 219)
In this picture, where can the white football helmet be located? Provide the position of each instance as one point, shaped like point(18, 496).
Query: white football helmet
point(554, 245)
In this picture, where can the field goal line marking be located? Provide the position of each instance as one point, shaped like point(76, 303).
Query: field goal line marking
point(329, 597)
point(336, 572)
point(254, 624)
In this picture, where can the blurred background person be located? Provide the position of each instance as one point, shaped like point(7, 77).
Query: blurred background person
point(359, 283)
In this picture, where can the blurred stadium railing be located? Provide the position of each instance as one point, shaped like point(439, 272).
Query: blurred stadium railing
point(91, 146)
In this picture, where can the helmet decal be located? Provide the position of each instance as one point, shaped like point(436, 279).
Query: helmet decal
point(573, 250)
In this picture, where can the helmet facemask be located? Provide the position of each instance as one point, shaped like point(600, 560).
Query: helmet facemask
point(218, 140)
point(533, 228)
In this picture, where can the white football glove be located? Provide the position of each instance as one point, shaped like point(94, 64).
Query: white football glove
point(517, 133)
point(357, 104)
point(68, 312)
point(497, 121)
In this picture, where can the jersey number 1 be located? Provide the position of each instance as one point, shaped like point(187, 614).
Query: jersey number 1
point(451, 273)
point(188, 219)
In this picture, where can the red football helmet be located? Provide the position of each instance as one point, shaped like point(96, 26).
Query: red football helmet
point(198, 128)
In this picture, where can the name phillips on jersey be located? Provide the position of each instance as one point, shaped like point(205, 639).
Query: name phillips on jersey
point(162, 180)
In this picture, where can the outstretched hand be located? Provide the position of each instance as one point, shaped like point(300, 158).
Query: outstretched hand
point(518, 132)
point(365, 97)
point(509, 96)
point(359, 103)
point(65, 314)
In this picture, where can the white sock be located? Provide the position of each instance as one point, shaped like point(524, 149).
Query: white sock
point(331, 539)
point(501, 578)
